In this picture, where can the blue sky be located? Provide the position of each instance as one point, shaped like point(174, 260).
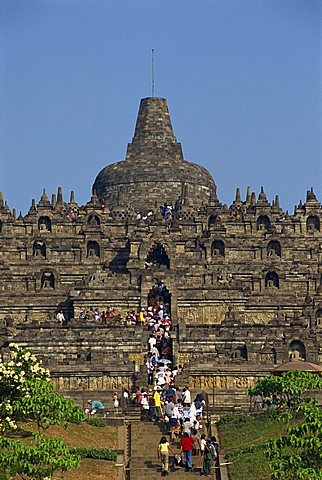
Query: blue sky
point(242, 79)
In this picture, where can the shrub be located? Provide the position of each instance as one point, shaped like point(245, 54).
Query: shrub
point(96, 421)
point(96, 453)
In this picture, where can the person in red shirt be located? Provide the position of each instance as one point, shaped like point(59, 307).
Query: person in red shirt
point(186, 445)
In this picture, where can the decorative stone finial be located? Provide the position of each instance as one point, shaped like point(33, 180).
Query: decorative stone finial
point(248, 195)
point(32, 209)
point(238, 195)
point(1, 199)
point(253, 199)
point(213, 199)
point(277, 201)
point(53, 200)
point(6, 207)
point(44, 200)
point(262, 199)
point(59, 196)
point(94, 201)
point(310, 196)
point(72, 197)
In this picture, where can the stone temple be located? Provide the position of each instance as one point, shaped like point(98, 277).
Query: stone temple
point(244, 281)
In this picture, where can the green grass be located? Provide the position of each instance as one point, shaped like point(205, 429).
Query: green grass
point(243, 438)
point(248, 465)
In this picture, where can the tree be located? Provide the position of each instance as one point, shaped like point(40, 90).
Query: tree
point(297, 455)
point(45, 406)
point(37, 461)
point(26, 393)
point(288, 390)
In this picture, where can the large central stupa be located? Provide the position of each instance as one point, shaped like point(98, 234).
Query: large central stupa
point(154, 170)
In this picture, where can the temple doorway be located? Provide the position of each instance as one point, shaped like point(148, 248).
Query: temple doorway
point(159, 312)
point(159, 296)
point(157, 257)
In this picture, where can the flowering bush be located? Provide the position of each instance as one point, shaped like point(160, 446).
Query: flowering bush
point(27, 393)
point(15, 377)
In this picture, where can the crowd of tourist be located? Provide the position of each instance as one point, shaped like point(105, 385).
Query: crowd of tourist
point(163, 401)
point(165, 210)
point(205, 448)
point(183, 421)
point(98, 315)
point(70, 213)
point(91, 314)
point(155, 318)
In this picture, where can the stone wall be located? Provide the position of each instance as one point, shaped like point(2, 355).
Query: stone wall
point(245, 281)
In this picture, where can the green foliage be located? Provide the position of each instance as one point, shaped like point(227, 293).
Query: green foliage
point(297, 454)
point(37, 461)
point(95, 421)
point(27, 393)
point(22, 367)
point(288, 389)
point(97, 453)
point(46, 406)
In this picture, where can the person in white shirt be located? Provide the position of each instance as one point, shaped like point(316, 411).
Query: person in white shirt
point(160, 378)
point(149, 369)
point(116, 403)
point(145, 407)
point(186, 397)
point(192, 412)
point(155, 351)
point(126, 397)
point(203, 443)
point(199, 407)
point(152, 342)
point(60, 317)
point(186, 426)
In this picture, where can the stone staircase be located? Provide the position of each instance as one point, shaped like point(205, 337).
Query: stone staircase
point(144, 463)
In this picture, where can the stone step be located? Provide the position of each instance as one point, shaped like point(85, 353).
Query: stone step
point(155, 473)
point(152, 457)
point(152, 433)
point(144, 464)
